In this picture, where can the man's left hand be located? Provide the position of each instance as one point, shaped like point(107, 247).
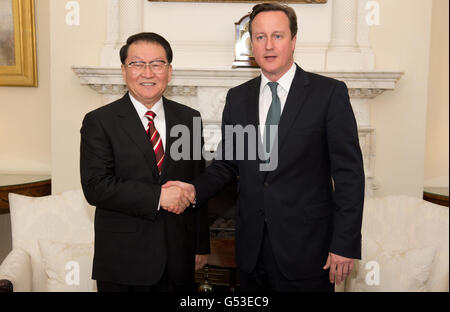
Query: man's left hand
point(200, 261)
point(340, 267)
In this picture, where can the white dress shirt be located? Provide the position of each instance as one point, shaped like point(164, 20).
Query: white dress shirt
point(265, 94)
point(159, 121)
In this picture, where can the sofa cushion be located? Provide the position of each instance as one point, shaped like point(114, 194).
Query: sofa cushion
point(391, 270)
point(68, 266)
point(402, 228)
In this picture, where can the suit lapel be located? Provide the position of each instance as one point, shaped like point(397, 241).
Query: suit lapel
point(252, 107)
point(170, 116)
point(132, 125)
point(294, 102)
point(253, 103)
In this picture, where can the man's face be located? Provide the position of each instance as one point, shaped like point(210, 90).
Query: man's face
point(144, 85)
point(273, 47)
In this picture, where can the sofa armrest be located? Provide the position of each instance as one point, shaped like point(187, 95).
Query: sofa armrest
point(15, 271)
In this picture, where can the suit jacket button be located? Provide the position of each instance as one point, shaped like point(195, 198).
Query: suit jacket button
point(266, 184)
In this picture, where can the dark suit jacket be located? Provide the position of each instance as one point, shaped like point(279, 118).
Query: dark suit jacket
point(134, 242)
point(306, 218)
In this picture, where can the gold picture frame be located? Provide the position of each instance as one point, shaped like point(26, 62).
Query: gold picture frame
point(18, 44)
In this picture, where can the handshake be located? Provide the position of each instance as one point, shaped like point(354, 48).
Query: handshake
point(176, 196)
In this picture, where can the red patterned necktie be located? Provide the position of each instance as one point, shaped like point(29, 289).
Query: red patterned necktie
point(156, 140)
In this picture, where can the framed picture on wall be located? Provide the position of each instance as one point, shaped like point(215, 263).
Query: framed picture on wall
point(17, 43)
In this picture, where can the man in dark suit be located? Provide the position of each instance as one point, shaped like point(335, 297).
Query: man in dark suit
point(146, 239)
point(298, 225)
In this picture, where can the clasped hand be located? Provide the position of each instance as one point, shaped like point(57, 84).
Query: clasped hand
point(177, 196)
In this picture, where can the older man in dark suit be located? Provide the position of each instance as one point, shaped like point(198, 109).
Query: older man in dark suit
point(146, 238)
point(298, 225)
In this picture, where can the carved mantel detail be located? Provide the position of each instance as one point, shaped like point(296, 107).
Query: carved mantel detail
point(365, 93)
point(109, 88)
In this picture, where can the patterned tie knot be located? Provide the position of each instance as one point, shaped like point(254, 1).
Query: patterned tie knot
point(273, 87)
point(150, 115)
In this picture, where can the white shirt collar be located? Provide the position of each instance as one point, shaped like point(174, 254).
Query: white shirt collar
point(285, 81)
point(158, 108)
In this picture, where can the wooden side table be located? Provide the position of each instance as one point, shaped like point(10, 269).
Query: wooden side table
point(24, 184)
point(436, 195)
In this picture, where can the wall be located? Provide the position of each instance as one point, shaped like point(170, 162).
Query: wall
point(202, 38)
point(32, 120)
point(25, 111)
point(437, 147)
point(25, 121)
point(72, 45)
point(402, 42)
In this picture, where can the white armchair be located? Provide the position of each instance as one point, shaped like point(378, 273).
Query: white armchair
point(405, 247)
point(52, 240)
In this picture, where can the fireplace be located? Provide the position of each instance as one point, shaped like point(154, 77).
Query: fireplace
point(221, 269)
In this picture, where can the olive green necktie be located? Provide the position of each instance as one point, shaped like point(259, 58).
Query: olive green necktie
point(273, 118)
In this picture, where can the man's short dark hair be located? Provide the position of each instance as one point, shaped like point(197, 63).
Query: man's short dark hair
point(146, 37)
point(265, 7)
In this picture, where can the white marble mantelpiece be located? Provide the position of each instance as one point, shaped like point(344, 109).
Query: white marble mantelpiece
point(205, 90)
point(361, 84)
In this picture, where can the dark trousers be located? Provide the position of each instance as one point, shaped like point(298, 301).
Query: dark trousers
point(165, 284)
point(266, 277)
